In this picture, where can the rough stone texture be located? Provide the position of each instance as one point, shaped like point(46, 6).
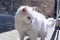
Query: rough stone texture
point(44, 6)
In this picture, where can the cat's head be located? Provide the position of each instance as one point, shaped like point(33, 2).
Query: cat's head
point(24, 13)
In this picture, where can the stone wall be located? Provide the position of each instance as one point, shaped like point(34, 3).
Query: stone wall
point(44, 6)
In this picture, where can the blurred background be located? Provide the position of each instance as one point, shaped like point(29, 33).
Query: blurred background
point(8, 9)
point(44, 6)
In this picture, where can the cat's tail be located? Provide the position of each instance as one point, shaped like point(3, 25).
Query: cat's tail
point(51, 22)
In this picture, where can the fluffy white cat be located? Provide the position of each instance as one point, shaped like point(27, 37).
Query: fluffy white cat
point(30, 22)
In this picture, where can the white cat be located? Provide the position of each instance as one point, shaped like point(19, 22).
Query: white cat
point(30, 22)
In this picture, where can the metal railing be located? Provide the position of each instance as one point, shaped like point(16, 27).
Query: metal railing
point(57, 28)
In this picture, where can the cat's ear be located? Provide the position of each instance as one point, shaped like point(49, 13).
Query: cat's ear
point(34, 8)
point(24, 9)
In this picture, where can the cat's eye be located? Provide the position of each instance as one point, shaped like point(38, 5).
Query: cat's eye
point(29, 18)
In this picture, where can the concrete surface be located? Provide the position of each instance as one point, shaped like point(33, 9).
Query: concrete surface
point(13, 35)
point(10, 35)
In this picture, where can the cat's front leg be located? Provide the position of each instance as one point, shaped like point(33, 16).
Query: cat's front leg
point(32, 34)
point(21, 34)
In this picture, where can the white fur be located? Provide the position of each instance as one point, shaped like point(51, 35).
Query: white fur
point(39, 25)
